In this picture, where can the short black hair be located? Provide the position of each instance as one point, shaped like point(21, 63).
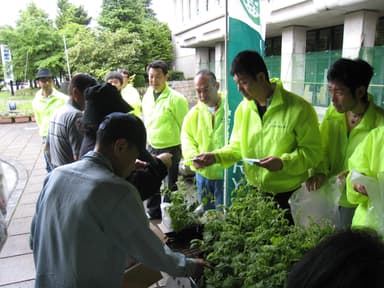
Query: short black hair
point(249, 63)
point(345, 259)
point(81, 81)
point(352, 73)
point(114, 75)
point(158, 64)
point(122, 125)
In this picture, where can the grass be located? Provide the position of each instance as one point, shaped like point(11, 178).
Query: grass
point(22, 98)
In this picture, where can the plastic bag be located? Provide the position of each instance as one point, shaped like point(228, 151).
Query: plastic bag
point(166, 220)
point(319, 206)
point(375, 190)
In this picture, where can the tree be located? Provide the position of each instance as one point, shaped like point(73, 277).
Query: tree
point(128, 37)
point(34, 43)
point(118, 49)
point(69, 14)
point(118, 14)
point(137, 17)
point(157, 43)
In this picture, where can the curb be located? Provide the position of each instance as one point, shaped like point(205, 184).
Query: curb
point(18, 187)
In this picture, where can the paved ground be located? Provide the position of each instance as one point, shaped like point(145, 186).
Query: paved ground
point(24, 169)
point(20, 149)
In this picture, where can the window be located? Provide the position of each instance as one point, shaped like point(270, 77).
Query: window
point(379, 40)
point(273, 46)
point(330, 38)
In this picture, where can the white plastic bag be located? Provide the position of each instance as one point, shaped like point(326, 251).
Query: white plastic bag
point(319, 206)
point(375, 191)
point(166, 220)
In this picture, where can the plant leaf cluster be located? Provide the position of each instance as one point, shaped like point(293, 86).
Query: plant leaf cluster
point(182, 209)
point(252, 244)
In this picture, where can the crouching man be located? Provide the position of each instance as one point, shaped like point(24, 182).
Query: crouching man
point(89, 220)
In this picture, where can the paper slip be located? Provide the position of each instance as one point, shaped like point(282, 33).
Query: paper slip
point(252, 161)
point(189, 160)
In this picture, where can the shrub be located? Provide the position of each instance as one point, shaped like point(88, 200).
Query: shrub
point(139, 81)
point(175, 75)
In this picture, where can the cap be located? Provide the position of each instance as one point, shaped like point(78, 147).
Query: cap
point(114, 75)
point(101, 100)
point(43, 73)
point(128, 126)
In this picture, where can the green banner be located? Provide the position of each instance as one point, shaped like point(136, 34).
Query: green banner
point(244, 33)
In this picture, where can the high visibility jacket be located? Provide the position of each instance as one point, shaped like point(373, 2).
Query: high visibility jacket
point(45, 107)
point(367, 159)
point(132, 97)
point(203, 132)
point(163, 117)
point(289, 130)
point(338, 145)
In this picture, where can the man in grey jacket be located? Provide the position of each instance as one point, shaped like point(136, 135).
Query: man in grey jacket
point(89, 220)
point(64, 133)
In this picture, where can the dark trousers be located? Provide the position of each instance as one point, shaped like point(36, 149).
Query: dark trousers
point(281, 200)
point(153, 203)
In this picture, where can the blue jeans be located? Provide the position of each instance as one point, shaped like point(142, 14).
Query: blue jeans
point(211, 191)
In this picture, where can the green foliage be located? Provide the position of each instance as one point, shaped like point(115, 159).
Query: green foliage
point(127, 14)
point(157, 42)
point(182, 209)
point(34, 43)
point(69, 13)
point(175, 75)
point(129, 37)
point(253, 245)
point(139, 80)
point(99, 52)
point(23, 99)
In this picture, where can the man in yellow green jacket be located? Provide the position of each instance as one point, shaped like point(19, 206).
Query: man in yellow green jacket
point(130, 93)
point(47, 100)
point(346, 123)
point(45, 103)
point(367, 160)
point(270, 124)
point(203, 130)
point(164, 110)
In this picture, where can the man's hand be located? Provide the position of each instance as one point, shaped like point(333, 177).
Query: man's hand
point(361, 189)
point(342, 176)
point(315, 182)
point(140, 165)
point(271, 163)
point(166, 158)
point(204, 160)
point(201, 264)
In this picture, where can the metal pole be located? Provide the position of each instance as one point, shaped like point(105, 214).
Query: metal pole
point(226, 112)
point(67, 58)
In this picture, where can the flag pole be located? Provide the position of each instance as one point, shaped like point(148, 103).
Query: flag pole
point(226, 108)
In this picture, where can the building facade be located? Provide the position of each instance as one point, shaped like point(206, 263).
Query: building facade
point(303, 37)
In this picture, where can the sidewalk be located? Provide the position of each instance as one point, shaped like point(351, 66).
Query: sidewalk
point(20, 148)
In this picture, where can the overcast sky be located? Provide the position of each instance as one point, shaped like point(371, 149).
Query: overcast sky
point(9, 9)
